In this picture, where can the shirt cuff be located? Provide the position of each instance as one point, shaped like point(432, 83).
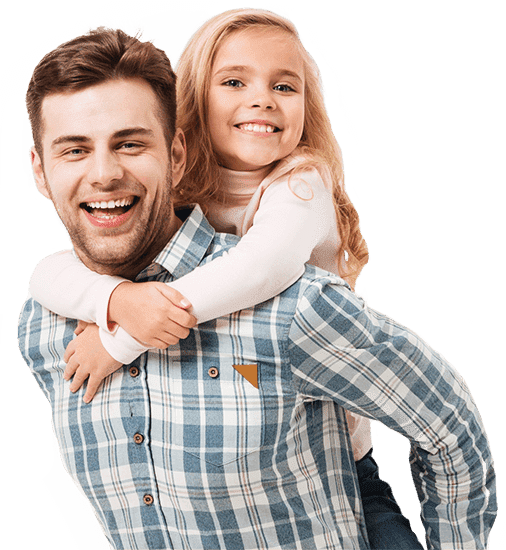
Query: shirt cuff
point(121, 346)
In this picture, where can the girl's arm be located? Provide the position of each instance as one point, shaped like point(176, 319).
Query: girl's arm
point(272, 253)
point(63, 284)
point(268, 259)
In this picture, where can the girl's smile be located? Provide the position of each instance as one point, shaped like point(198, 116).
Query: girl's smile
point(256, 99)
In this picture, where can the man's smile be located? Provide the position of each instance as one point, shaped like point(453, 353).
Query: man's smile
point(110, 213)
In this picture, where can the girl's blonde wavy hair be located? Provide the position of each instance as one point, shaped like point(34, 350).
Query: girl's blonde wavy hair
point(202, 180)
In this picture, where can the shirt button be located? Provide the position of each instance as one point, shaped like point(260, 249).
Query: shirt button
point(138, 438)
point(134, 371)
point(148, 499)
point(213, 372)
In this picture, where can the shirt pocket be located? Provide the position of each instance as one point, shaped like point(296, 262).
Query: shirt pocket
point(217, 419)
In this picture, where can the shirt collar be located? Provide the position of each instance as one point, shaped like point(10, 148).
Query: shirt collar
point(187, 248)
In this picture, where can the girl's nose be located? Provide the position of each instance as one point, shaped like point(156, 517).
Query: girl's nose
point(263, 99)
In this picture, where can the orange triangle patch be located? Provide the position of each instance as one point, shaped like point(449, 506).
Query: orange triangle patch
point(250, 372)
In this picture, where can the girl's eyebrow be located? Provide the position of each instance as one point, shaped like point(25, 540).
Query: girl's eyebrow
point(231, 69)
point(244, 68)
point(291, 74)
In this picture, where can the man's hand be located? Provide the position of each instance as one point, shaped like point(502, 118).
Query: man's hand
point(153, 313)
point(87, 358)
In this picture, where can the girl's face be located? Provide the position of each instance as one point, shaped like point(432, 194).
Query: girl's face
point(256, 98)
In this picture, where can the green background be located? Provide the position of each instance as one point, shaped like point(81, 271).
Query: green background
point(423, 86)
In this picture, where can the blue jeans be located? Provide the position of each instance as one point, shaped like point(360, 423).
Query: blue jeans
point(387, 528)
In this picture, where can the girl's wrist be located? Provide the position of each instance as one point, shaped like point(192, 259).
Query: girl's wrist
point(117, 303)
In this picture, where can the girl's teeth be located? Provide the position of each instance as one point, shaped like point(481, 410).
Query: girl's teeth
point(257, 128)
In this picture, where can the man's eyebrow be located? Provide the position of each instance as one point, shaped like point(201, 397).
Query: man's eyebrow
point(120, 134)
point(129, 132)
point(69, 139)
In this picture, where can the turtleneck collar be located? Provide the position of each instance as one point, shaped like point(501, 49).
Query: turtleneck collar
point(237, 185)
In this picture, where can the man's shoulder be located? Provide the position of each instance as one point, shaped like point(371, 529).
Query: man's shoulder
point(317, 280)
point(224, 240)
point(31, 314)
point(324, 296)
point(220, 243)
point(40, 331)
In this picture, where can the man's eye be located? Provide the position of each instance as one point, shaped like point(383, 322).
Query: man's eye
point(75, 152)
point(129, 146)
point(233, 83)
point(283, 88)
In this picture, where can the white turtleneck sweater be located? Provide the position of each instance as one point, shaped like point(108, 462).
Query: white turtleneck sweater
point(283, 223)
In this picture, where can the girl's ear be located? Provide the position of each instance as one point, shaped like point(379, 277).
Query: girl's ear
point(178, 157)
point(38, 173)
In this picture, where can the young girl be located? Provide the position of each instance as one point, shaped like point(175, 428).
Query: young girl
point(264, 164)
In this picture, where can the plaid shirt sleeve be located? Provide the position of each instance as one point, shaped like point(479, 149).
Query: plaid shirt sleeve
point(344, 351)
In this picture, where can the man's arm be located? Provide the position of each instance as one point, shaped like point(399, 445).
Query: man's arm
point(343, 351)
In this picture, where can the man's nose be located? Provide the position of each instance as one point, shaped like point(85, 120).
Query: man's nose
point(105, 168)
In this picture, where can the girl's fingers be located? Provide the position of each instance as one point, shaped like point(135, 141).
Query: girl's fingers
point(164, 341)
point(79, 379)
point(70, 369)
point(178, 331)
point(160, 343)
point(92, 387)
point(177, 317)
point(80, 327)
point(69, 351)
point(175, 297)
point(171, 340)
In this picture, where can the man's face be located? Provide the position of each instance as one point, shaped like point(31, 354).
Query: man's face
point(107, 170)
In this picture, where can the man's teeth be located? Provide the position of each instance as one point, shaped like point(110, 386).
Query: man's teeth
point(111, 204)
point(257, 128)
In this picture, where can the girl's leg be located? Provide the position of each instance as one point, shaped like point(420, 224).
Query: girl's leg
point(387, 528)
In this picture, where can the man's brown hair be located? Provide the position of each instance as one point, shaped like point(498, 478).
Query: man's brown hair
point(94, 58)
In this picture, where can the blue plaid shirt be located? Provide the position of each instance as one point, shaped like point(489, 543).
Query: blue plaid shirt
point(181, 449)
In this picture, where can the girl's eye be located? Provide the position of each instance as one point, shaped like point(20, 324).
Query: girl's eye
point(233, 83)
point(283, 88)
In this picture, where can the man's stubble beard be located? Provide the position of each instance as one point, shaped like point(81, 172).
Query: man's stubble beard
point(129, 253)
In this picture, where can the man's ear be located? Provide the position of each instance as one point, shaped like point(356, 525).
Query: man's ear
point(38, 173)
point(178, 156)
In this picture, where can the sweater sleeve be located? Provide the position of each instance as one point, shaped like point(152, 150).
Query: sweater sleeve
point(293, 217)
point(63, 284)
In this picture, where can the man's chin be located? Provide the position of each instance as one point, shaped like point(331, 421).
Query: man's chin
point(111, 255)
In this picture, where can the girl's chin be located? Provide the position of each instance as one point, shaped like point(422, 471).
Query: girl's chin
point(249, 165)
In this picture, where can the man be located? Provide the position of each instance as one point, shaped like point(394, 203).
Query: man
point(236, 437)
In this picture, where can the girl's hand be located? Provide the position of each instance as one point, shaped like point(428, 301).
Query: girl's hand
point(153, 313)
point(87, 358)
